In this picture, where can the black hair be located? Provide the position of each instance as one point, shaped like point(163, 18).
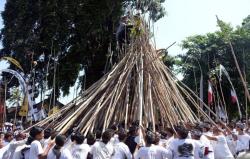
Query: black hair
point(122, 135)
point(91, 139)
point(72, 137)
point(182, 132)
point(150, 138)
point(170, 130)
point(60, 140)
point(98, 134)
point(7, 135)
point(164, 134)
point(133, 130)
point(196, 134)
point(35, 131)
point(136, 123)
point(47, 133)
point(106, 136)
point(114, 127)
point(150, 126)
point(79, 138)
point(157, 139)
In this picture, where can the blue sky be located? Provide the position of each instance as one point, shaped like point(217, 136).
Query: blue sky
point(185, 18)
point(190, 17)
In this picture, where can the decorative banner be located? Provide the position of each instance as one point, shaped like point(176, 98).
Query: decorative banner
point(25, 107)
point(21, 80)
point(222, 70)
point(2, 104)
point(13, 61)
point(221, 113)
point(201, 91)
point(18, 76)
point(234, 98)
point(210, 93)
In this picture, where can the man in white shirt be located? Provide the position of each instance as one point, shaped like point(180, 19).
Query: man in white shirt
point(150, 151)
point(121, 149)
point(79, 149)
point(47, 134)
point(243, 137)
point(221, 149)
point(19, 141)
point(199, 152)
point(183, 147)
point(167, 137)
point(209, 151)
point(8, 137)
point(36, 150)
point(58, 151)
point(103, 149)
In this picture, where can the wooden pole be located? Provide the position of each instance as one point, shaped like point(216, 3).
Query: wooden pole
point(245, 77)
point(141, 95)
point(5, 98)
point(239, 71)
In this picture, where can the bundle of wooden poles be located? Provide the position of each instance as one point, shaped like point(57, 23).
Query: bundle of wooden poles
point(138, 88)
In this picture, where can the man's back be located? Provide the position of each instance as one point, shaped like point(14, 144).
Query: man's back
point(64, 154)
point(152, 152)
point(122, 151)
point(102, 151)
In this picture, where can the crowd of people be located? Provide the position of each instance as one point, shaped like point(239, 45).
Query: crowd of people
point(185, 141)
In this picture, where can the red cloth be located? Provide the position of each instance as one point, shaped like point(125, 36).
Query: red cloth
point(210, 93)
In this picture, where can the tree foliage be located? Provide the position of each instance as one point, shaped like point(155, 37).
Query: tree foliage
point(71, 35)
point(205, 52)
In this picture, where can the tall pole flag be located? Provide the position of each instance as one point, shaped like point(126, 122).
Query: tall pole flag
point(233, 92)
point(201, 91)
point(210, 93)
point(234, 98)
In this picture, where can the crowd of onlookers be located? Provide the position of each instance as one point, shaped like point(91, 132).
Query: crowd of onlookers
point(186, 141)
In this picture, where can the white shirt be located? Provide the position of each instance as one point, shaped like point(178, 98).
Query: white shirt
point(5, 143)
point(221, 149)
point(12, 147)
point(152, 152)
point(244, 139)
point(102, 151)
point(207, 144)
point(69, 145)
point(199, 149)
point(232, 145)
point(114, 140)
point(80, 151)
point(3, 150)
point(169, 142)
point(65, 154)
point(46, 142)
point(35, 150)
point(18, 152)
point(139, 140)
point(183, 148)
point(122, 151)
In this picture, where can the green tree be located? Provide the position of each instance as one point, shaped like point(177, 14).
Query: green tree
point(205, 52)
point(71, 34)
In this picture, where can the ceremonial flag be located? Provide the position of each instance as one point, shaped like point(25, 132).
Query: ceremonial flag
point(201, 91)
point(25, 107)
point(1, 106)
point(234, 98)
point(210, 93)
